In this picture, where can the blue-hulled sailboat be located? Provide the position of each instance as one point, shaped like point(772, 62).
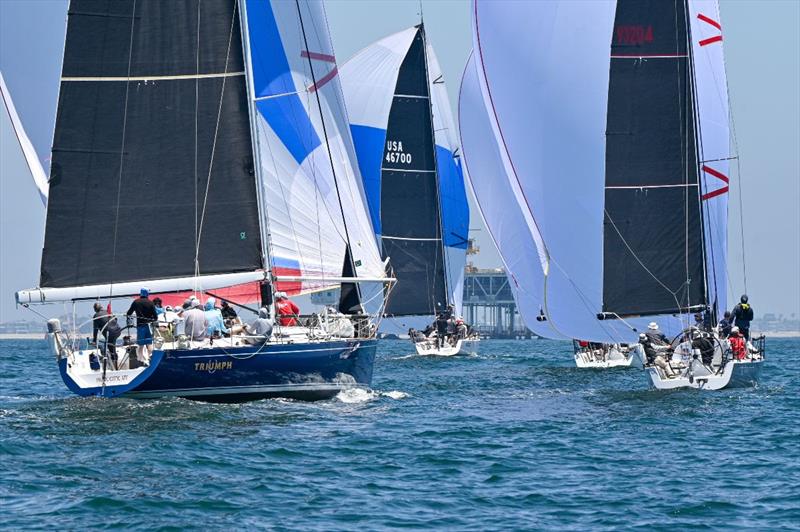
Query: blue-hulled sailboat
point(203, 148)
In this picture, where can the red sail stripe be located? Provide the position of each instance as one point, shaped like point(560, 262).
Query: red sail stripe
point(715, 173)
point(325, 79)
point(318, 56)
point(709, 21)
point(710, 40)
point(715, 193)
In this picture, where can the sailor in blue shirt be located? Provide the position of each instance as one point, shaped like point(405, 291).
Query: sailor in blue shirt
point(216, 325)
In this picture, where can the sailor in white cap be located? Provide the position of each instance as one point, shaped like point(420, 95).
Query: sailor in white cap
point(656, 336)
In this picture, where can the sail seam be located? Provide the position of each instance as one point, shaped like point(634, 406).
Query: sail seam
point(154, 78)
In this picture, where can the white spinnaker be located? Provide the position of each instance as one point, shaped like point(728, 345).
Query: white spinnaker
point(714, 135)
point(495, 198)
point(34, 164)
point(369, 79)
point(543, 69)
point(305, 148)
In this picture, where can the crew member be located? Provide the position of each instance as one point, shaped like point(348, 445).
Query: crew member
point(653, 356)
point(725, 324)
point(742, 316)
point(261, 329)
point(146, 314)
point(99, 321)
point(738, 344)
point(215, 325)
point(655, 335)
point(195, 322)
point(286, 310)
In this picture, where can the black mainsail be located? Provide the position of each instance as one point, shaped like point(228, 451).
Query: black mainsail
point(653, 259)
point(411, 233)
point(152, 157)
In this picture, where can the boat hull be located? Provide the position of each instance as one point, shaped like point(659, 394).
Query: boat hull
point(737, 374)
point(305, 371)
point(462, 347)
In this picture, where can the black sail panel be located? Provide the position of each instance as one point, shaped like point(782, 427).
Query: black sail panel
point(653, 242)
point(132, 187)
point(410, 218)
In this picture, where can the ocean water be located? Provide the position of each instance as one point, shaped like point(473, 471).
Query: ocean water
point(514, 438)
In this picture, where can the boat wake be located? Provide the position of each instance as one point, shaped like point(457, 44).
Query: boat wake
point(359, 395)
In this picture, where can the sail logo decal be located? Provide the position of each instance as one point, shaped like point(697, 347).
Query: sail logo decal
point(327, 77)
point(714, 23)
point(719, 175)
point(395, 153)
point(634, 35)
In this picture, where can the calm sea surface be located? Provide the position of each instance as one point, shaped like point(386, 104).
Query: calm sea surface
point(516, 437)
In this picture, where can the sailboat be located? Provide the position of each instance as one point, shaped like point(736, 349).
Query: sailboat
point(408, 155)
point(601, 165)
point(202, 147)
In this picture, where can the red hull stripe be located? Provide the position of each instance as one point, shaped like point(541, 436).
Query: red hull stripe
point(709, 21)
point(715, 173)
point(325, 79)
point(318, 56)
point(715, 193)
point(710, 40)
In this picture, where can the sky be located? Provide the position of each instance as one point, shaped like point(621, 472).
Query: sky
point(762, 46)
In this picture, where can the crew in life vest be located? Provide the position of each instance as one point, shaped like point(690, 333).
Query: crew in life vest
point(738, 345)
point(742, 316)
point(286, 310)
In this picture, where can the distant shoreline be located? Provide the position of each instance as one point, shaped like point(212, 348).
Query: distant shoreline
point(41, 336)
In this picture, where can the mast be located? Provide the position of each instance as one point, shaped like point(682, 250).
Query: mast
point(435, 160)
point(263, 218)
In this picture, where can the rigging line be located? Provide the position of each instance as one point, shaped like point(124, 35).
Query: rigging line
point(196, 134)
point(122, 147)
point(328, 145)
point(213, 146)
point(684, 137)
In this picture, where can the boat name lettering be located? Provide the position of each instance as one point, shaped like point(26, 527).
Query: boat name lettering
point(110, 379)
point(633, 34)
point(213, 366)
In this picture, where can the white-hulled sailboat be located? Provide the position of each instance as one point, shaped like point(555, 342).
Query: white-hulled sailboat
point(600, 165)
point(204, 146)
point(408, 154)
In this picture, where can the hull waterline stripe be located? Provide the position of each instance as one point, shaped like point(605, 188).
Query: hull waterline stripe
point(157, 78)
point(233, 390)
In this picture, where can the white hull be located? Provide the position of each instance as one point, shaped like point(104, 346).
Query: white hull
point(734, 374)
point(614, 358)
point(462, 347)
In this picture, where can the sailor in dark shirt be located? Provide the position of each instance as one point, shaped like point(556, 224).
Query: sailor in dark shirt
point(99, 321)
point(742, 316)
point(725, 325)
point(145, 312)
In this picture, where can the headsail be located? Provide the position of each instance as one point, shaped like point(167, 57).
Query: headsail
point(152, 168)
point(34, 164)
point(495, 198)
point(404, 136)
point(306, 167)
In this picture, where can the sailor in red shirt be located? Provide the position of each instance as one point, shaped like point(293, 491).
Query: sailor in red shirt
point(738, 345)
point(286, 310)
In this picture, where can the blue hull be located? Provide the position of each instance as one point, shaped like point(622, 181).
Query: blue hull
point(309, 371)
point(746, 375)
